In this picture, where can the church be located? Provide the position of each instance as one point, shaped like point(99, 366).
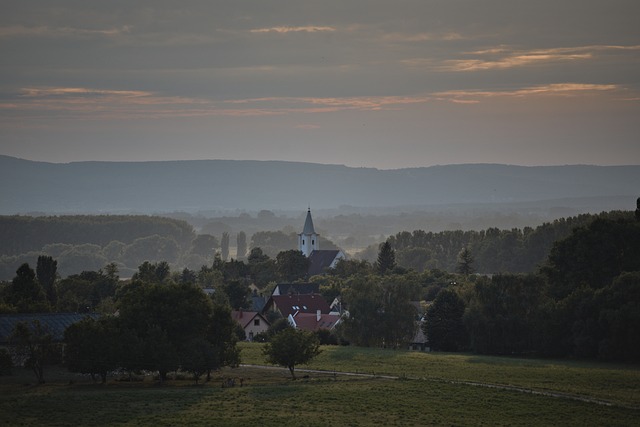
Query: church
point(319, 260)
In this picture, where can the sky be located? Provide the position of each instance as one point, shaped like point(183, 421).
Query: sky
point(364, 83)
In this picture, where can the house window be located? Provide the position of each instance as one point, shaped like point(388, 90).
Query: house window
point(256, 322)
point(313, 242)
point(303, 241)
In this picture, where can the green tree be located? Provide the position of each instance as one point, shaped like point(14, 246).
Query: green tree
point(46, 271)
point(594, 255)
point(444, 326)
point(6, 364)
point(263, 270)
point(465, 262)
point(204, 245)
point(224, 246)
point(94, 347)
point(292, 265)
point(241, 245)
point(618, 317)
point(386, 258)
point(25, 293)
point(503, 315)
point(157, 272)
point(237, 293)
point(363, 298)
point(166, 318)
point(34, 345)
point(159, 352)
point(291, 347)
point(398, 314)
point(351, 267)
point(221, 334)
point(198, 356)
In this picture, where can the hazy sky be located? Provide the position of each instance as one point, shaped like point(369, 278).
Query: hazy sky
point(375, 83)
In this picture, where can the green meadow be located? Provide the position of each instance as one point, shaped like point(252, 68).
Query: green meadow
point(431, 389)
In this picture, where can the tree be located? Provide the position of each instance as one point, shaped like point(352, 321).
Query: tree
point(224, 246)
point(6, 364)
point(363, 297)
point(221, 335)
point(594, 255)
point(159, 353)
point(152, 273)
point(204, 245)
point(237, 293)
point(257, 256)
point(46, 271)
point(444, 327)
point(197, 357)
point(241, 245)
point(386, 258)
point(292, 265)
point(25, 293)
point(465, 262)
point(292, 347)
point(34, 344)
point(170, 320)
point(398, 314)
point(94, 347)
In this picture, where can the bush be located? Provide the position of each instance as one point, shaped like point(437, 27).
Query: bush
point(6, 364)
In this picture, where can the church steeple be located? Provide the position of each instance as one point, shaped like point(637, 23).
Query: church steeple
point(308, 239)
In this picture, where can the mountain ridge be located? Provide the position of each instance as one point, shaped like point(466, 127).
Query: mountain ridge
point(198, 185)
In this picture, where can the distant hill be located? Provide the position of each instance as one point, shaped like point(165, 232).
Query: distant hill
point(201, 185)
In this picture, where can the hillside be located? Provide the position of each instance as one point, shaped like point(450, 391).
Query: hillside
point(219, 185)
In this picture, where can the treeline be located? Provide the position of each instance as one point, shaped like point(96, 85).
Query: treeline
point(494, 251)
point(584, 302)
point(159, 327)
point(21, 234)
point(88, 243)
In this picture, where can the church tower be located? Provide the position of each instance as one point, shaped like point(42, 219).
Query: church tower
point(308, 239)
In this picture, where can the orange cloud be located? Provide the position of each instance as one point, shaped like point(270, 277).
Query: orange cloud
point(559, 89)
point(284, 30)
point(46, 31)
point(502, 57)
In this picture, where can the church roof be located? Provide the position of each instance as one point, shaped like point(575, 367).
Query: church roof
point(319, 260)
point(308, 224)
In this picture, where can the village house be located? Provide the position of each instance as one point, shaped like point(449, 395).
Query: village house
point(252, 322)
point(291, 304)
point(314, 322)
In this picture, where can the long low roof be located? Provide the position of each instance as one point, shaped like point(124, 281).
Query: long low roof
point(53, 323)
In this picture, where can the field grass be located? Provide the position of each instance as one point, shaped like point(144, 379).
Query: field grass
point(424, 395)
point(619, 384)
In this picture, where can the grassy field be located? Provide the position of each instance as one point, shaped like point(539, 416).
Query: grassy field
point(424, 395)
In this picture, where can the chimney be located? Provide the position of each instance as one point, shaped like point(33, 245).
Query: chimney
point(240, 313)
point(318, 315)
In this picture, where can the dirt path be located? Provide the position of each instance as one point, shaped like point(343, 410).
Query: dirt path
point(554, 394)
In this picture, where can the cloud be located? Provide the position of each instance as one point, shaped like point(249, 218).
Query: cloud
point(284, 30)
point(73, 103)
point(421, 37)
point(558, 89)
point(503, 57)
point(60, 32)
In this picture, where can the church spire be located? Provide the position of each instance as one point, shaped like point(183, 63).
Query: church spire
point(308, 224)
point(308, 239)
